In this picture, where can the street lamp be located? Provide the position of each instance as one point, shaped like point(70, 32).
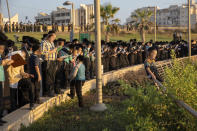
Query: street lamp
point(155, 23)
point(189, 27)
point(100, 106)
point(73, 18)
point(10, 27)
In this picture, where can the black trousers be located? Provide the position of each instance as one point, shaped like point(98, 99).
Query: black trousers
point(49, 69)
point(25, 91)
point(24, 94)
point(67, 72)
point(35, 91)
point(60, 77)
point(92, 70)
point(87, 63)
point(1, 99)
point(13, 98)
point(112, 63)
point(78, 84)
point(72, 88)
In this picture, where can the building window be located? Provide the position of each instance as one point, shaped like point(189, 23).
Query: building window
point(57, 15)
point(67, 14)
point(46, 19)
point(63, 14)
point(67, 20)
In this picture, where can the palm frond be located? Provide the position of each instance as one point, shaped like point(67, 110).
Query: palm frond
point(108, 12)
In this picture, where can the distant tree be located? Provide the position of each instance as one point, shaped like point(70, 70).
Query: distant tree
point(141, 20)
point(92, 25)
point(108, 12)
point(115, 25)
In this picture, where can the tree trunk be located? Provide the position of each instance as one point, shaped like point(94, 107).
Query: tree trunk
point(107, 36)
point(143, 35)
point(107, 32)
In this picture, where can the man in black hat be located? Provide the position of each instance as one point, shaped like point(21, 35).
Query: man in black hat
point(113, 58)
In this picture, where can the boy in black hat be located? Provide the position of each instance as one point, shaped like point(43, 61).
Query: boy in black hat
point(34, 63)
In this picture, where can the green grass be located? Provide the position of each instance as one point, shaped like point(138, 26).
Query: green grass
point(124, 37)
point(133, 108)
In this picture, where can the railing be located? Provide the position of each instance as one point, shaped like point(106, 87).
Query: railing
point(178, 102)
point(163, 88)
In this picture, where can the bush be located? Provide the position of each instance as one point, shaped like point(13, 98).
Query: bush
point(147, 109)
point(143, 109)
point(181, 81)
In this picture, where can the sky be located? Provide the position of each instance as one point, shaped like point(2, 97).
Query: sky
point(31, 8)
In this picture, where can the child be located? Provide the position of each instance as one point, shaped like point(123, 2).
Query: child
point(149, 65)
point(19, 81)
point(34, 63)
point(2, 77)
point(78, 75)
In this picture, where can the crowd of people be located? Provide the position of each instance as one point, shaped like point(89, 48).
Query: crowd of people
point(40, 27)
point(60, 64)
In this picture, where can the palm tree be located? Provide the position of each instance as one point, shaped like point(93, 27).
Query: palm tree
point(92, 25)
point(115, 25)
point(108, 12)
point(141, 20)
point(116, 21)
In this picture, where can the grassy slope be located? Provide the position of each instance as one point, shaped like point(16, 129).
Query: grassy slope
point(125, 37)
point(144, 110)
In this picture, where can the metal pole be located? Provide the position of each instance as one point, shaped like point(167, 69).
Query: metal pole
point(98, 54)
point(73, 19)
point(189, 28)
point(100, 106)
point(9, 15)
point(1, 22)
point(1, 17)
point(155, 23)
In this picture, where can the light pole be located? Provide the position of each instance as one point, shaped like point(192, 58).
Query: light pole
point(73, 18)
point(155, 23)
point(100, 106)
point(1, 18)
point(1, 22)
point(9, 16)
point(189, 27)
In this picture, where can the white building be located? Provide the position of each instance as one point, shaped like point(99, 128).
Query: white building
point(174, 15)
point(61, 16)
point(43, 18)
point(169, 16)
point(13, 19)
point(83, 16)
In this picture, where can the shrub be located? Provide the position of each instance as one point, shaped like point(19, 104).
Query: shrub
point(181, 81)
point(147, 109)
